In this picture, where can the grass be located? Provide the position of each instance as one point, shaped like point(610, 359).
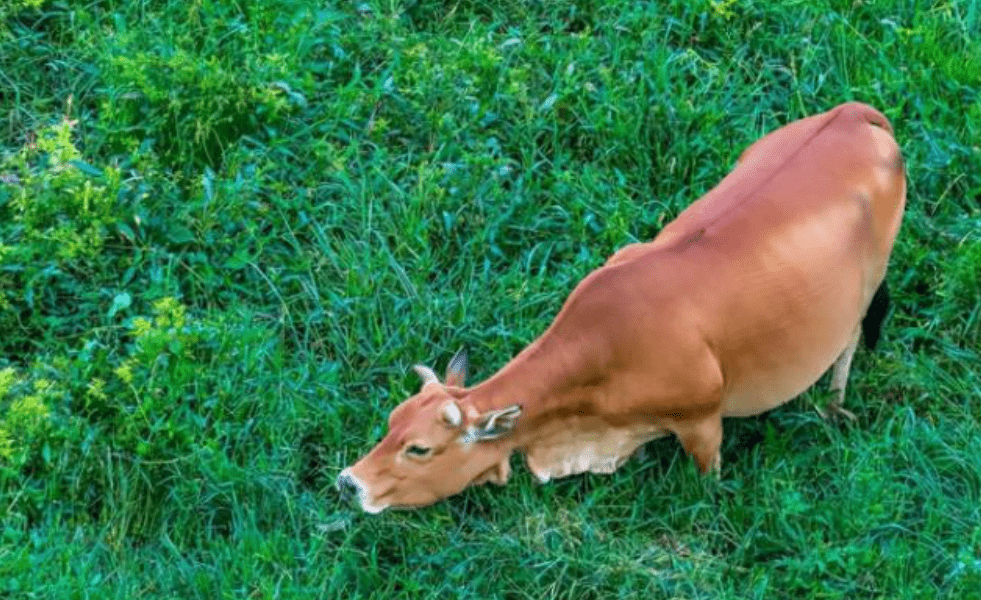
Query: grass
point(228, 229)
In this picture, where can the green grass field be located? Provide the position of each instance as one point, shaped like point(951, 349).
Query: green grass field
point(228, 229)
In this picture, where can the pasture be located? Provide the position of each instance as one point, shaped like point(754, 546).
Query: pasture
point(229, 229)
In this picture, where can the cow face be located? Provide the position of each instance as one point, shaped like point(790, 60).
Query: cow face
point(437, 445)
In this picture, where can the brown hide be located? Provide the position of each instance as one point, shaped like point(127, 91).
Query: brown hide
point(737, 306)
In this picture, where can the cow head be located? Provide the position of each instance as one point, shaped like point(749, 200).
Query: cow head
point(437, 445)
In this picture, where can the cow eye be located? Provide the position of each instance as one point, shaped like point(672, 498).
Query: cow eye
point(420, 451)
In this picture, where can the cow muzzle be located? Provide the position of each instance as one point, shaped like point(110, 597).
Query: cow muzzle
point(349, 486)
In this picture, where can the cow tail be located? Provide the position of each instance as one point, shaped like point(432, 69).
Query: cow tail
point(875, 315)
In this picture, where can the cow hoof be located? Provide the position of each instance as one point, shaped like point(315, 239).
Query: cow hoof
point(835, 410)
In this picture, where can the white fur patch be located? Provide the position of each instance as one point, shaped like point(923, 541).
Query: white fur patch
point(452, 414)
point(585, 445)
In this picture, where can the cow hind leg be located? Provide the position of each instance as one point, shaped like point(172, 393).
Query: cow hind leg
point(702, 441)
point(839, 378)
point(871, 329)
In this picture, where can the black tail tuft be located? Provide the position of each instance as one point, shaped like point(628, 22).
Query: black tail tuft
point(872, 323)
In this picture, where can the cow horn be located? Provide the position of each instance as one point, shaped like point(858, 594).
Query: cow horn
point(426, 374)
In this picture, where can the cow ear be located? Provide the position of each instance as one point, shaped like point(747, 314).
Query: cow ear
point(456, 371)
point(426, 374)
point(496, 423)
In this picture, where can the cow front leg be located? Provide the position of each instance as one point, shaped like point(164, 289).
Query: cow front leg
point(702, 441)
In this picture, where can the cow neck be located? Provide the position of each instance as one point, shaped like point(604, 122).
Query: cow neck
point(545, 378)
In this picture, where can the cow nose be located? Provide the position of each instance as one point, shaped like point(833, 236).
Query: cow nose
point(347, 485)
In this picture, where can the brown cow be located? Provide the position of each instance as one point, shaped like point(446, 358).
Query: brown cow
point(736, 307)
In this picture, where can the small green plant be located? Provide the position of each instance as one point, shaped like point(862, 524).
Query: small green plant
point(61, 206)
point(25, 419)
point(166, 349)
point(57, 213)
point(192, 105)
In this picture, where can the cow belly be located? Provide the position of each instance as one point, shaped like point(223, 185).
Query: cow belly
point(792, 339)
point(757, 394)
point(793, 309)
point(781, 366)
